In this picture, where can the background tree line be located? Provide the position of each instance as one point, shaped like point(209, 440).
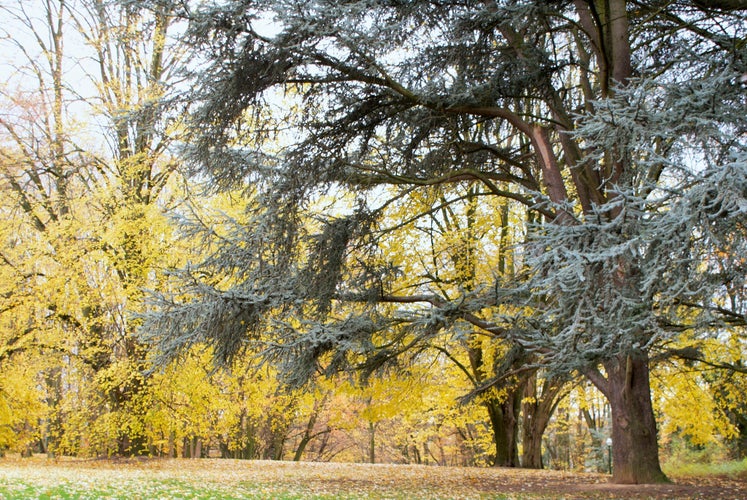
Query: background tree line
point(492, 206)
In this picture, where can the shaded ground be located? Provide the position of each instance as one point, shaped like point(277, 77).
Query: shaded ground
point(40, 477)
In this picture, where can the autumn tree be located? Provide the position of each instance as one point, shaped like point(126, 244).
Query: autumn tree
point(135, 58)
point(42, 171)
point(618, 124)
point(457, 253)
point(95, 209)
point(701, 395)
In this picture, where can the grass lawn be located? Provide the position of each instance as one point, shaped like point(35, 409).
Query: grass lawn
point(65, 478)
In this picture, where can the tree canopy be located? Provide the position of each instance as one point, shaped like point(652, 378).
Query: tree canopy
point(617, 127)
point(451, 229)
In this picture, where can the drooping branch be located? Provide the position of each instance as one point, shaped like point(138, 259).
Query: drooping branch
point(434, 300)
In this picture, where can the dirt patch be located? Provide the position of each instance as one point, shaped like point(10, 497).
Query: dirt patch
point(682, 488)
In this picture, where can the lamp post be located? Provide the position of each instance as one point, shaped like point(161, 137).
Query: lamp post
point(609, 455)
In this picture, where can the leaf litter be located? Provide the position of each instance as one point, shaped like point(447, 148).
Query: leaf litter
point(40, 477)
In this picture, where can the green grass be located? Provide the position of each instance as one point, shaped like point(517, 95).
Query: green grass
point(145, 489)
point(732, 468)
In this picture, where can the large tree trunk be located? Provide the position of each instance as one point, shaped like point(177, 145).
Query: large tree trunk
point(503, 412)
point(537, 408)
point(534, 424)
point(505, 428)
point(531, 454)
point(740, 448)
point(635, 450)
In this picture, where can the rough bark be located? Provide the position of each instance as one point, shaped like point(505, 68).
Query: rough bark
point(635, 451)
point(502, 412)
point(371, 443)
point(531, 455)
point(537, 408)
point(504, 422)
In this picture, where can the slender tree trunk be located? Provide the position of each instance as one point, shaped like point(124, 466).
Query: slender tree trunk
point(197, 452)
point(635, 450)
point(308, 433)
point(596, 440)
point(371, 442)
point(301, 447)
